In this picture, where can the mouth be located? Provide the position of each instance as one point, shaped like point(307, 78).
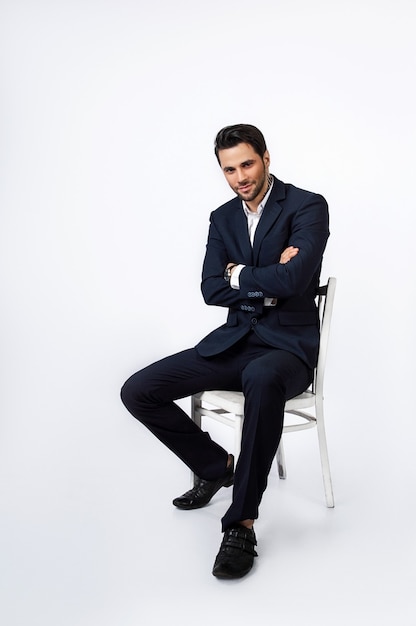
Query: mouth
point(244, 188)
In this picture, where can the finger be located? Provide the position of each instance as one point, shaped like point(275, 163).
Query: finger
point(288, 254)
point(291, 252)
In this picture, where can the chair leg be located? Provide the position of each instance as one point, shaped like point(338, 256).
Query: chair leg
point(280, 459)
point(238, 433)
point(195, 405)
point(195, 417)
point(323, 448)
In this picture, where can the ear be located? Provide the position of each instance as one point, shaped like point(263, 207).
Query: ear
point(266, 158)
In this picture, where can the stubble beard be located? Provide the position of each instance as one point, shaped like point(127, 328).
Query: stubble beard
point(256, 191)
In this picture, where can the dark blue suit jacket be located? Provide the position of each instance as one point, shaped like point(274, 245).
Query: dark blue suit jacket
point(291, 217)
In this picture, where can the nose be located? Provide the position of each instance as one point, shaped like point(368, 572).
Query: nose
point(241, 175)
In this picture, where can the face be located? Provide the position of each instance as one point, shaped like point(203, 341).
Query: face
point(246, 172)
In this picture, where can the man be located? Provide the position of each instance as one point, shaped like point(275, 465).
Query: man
point(262, 262)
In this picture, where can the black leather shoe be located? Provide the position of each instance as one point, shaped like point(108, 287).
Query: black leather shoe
point(236, 556)
point(203, 490)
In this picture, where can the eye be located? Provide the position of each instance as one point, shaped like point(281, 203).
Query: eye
point(247, 163)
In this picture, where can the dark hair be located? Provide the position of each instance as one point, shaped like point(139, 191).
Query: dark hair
point(231, 136)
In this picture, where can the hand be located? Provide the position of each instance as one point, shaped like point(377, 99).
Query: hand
point(232, 265)
point(288, 254)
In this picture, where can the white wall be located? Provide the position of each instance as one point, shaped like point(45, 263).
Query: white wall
point(109, 111)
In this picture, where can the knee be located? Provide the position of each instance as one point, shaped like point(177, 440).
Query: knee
point(126, 393)
point(130, 392)
point(139, 394)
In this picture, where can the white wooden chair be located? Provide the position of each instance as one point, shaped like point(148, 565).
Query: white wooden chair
point(228, 406)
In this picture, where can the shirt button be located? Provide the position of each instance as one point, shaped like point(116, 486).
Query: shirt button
point(254, 320)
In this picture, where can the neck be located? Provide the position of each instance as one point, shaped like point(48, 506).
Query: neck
point(254, 204)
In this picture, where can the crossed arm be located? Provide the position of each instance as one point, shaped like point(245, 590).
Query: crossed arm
point(282, 279)
point(285, 257)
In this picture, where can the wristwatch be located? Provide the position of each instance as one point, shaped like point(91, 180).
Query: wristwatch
point(227, 272)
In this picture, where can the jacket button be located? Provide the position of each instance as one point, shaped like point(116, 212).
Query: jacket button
point(254, 320)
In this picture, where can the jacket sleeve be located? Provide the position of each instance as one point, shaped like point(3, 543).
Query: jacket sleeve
point(215, 289)
point(309, 232)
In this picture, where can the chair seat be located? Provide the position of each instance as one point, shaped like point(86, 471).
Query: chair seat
point(230, 401)
point(302, 401)
point(233, 401)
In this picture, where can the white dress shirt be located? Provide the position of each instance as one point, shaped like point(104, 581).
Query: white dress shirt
point(253, 219)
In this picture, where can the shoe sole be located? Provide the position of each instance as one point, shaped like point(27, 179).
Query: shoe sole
point(227, 576)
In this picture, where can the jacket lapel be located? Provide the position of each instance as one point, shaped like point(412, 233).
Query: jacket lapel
point(242, 238)
point(271, 213)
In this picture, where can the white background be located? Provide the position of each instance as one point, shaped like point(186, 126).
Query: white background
point(108, 116)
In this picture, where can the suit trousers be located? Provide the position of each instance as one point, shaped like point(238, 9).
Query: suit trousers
point(267, 376)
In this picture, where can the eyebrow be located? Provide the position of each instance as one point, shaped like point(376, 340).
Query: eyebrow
point(232, 167)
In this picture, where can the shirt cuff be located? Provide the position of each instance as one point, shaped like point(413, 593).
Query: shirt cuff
point(235, 277)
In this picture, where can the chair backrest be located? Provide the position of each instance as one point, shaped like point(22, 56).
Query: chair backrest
point(326, 294)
